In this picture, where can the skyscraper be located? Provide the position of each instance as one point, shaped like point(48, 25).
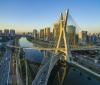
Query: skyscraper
point(47, 34)
point(41, 37)
point(6, 32)
point(12, 32)
point(83, 37)
point(35, 33)
point(56, 31)
point(72, 34)
point(0, 32)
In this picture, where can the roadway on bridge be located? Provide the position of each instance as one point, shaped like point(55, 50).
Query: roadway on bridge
point(44, 72)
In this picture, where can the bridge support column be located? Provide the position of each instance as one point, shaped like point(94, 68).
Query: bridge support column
point(64, 35)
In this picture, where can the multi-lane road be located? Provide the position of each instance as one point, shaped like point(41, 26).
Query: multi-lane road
point(5, 68)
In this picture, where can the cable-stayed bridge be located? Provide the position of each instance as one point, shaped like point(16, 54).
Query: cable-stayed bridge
point(61, 50)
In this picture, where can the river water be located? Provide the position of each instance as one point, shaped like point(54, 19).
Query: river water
point(30, 54)
point(74, 76)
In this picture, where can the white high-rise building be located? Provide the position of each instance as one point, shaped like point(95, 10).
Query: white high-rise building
point(47, 34)
point(34, 33)
point(82, 37)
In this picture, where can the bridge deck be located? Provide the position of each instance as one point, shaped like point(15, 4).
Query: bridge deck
point(86, 69)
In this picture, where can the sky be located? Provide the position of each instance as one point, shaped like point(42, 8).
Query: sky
point(26, 15)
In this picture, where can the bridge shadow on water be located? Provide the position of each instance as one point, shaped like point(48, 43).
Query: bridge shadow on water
point(72, 76)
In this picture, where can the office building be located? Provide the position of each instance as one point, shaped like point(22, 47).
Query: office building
point(6, 32)
point(12, 32)
point(34, 35)
point(56, 31)
point(72, 35)
point(82, 37)
point(47, 34)
point(0, 32)
point(41, 37)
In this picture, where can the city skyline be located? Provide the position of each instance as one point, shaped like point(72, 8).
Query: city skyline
point(26, 15)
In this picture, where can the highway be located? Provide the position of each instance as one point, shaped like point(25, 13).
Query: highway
point(86, 69)
point(5, 68)
point(5, 75)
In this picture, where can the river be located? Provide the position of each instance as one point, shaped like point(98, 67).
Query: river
point(30, 54)
point(74, 76)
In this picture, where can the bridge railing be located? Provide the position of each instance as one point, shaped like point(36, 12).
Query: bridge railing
point(83, 47)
